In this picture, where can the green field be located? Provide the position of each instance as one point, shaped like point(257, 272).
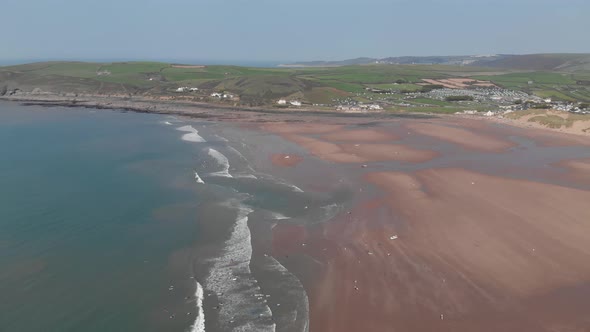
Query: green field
point(263, 86)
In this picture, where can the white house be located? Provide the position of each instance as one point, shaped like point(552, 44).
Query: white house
point(282, 102)
point(185, 89)
point(216, 94)
point(295, 103)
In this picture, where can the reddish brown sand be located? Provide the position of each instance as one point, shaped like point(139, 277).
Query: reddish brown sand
point(578, 170)
point(331, 147)
point(288, 238)
point(542, 136)
point(360, 136)
point(385, 152)
point(553, 138)
point(582, 166)
point(361, 153)
point(285, 160)
point(465, 137)
point(475, 249)
point(443, 249)
point(300, 128)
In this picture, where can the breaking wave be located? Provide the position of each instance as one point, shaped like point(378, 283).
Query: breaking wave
point(199, 325)
point(278, 216)
point(242, 308)
point(198, 178)
point(223, 139)
point(192, 136)
point(222, 161)
point(246, 176)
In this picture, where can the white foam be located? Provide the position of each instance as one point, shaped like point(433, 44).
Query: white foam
point(167, 123)
point(198, 178)
point(192, 136)
point(221, 138)
point(199, 325)
point(247, 176)
point(234, 150)
point(187, 128)
point(278, 216)
point(231, 279)
point(294, 187)
point(293, 287)
point(222, 161)
point(241, 156)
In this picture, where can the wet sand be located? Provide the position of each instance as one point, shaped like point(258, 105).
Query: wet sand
point(488, 244)
point(453, 224)
point(577, 170)
point(286, 160)
point(349, 146)
point(460, 136)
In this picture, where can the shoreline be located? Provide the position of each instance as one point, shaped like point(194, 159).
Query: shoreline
point(191, 109)
point(235, 113)
point(458, 244)
point(449, 224)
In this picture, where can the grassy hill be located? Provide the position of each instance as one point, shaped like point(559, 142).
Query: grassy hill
point(559, 62)
point(263, 86)
point(556, 62)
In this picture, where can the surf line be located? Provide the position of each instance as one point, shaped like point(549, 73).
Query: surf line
point(198, 178)
point(192, 134)
point(231, 278)
point(199, 325)
point(222, 161)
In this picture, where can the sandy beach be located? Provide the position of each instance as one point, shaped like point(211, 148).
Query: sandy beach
point(412, 223)
point(490, 241)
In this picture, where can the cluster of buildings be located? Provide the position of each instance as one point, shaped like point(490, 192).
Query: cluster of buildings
point(296, 103)
point(492, 95)
point(221, 95)
point(567, 106)
point(573, 109)
point(186, 89)
point(359, 108)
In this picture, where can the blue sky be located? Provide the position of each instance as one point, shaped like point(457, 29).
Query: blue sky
point(283, 30)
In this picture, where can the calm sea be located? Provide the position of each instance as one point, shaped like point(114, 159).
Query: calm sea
point(113, 221)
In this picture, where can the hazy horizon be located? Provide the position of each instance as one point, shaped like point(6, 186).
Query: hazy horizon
point(233, 62)
point(269, 31)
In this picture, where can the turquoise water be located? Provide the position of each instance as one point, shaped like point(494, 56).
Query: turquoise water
point(93, 207)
